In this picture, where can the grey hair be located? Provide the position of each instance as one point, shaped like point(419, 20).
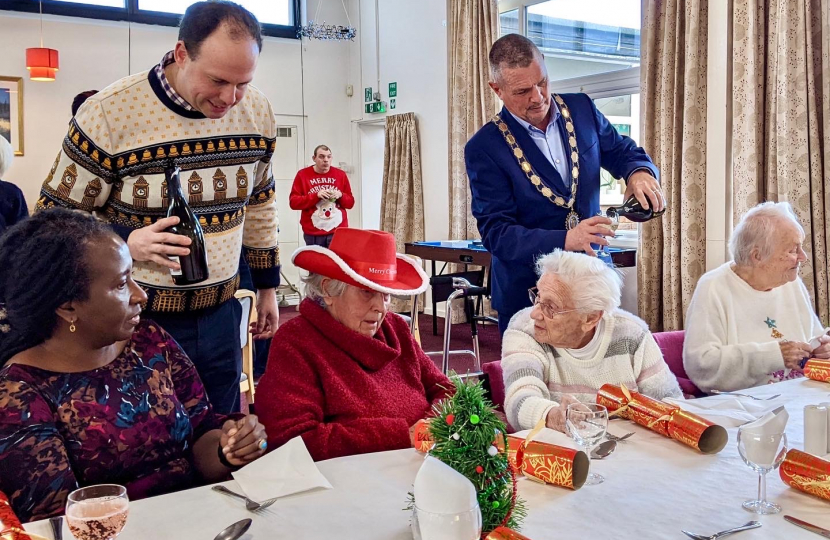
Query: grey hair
point(6, 155)
point(313, 285)
point(512, 51)
point(757, 230)
point(594, 286)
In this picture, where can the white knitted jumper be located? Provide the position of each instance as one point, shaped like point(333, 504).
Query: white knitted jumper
point(536, 375)
point(733, 331)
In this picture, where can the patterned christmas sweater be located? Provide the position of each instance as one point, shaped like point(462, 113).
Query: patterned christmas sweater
point(112, 163)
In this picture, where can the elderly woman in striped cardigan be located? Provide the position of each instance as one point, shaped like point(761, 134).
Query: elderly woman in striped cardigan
point(573, 340)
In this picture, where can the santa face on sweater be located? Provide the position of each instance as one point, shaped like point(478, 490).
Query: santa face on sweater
point(327, 217)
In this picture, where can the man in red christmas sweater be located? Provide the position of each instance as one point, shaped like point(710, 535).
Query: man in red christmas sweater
point(323, 194)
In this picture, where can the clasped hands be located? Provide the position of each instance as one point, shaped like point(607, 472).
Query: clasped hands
point(330, 193)
point(242, 441)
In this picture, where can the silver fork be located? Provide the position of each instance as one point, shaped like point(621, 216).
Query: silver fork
point(727, 532)
point(719, 393)
point(612, 437)
point(251, 505)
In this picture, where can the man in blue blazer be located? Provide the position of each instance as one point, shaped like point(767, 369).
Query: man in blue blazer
point(535, 173)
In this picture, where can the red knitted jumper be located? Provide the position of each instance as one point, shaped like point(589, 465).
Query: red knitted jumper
point(345, 393)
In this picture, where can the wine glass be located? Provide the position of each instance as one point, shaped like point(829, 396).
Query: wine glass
point(97, 512)
point(439, 526)
point(586, 423)
point(763, 453)
point(603, 252)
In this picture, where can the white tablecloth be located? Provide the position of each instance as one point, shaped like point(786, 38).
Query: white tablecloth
point(654, 487)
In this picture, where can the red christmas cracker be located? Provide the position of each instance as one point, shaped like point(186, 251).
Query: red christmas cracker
point(544, 462)
point(10, 526)
point(667, 420)
point(817, 369)
point(807, 473)
point(422, 440)
point(503, 533)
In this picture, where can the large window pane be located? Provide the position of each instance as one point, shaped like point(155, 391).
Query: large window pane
point(107, 3)
point(586, 37)
point(624, 113)
point(509, 22)
point(267, 11)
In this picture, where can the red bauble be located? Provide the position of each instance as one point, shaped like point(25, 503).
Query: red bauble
point(479, 469)
point(450, 419)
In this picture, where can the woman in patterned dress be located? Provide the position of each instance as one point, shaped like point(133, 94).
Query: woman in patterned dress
point(89, 392)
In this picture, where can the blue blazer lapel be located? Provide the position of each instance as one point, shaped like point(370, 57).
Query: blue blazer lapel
point(550, 177)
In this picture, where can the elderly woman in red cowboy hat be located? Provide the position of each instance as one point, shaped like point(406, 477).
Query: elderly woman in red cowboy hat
point(346, 374)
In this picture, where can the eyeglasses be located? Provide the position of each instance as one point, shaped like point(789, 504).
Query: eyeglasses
point(547, 310)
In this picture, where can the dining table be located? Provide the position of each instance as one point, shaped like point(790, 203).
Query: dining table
point(654, 487)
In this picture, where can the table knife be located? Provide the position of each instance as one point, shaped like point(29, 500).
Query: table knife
point(57, 527)
point(809, 526)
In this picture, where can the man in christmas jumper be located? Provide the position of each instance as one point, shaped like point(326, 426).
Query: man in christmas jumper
point(196, 110)
point(323, 194)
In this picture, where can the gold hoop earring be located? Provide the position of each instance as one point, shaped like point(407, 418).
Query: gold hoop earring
point(72, 327)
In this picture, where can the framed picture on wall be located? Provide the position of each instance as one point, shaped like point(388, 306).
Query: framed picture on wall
point(11, 112)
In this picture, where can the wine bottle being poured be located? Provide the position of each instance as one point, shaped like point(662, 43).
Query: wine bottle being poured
point(194, 267)
point(633, 210)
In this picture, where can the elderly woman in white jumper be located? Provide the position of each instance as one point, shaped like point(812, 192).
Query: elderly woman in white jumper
point(573, 340)
point(751, 320)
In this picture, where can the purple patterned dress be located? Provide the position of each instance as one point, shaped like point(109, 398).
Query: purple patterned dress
point(132, 422)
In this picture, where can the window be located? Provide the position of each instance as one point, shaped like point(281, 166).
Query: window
point(509, 22)
point(279, 18)
point(593, 47)
point(278, 12)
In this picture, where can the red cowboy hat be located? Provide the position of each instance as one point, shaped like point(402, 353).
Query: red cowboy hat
point(365, 259)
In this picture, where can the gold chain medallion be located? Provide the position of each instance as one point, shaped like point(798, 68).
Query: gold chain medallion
point(572, 220)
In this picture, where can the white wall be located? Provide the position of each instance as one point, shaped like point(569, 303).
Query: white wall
point(306, 83)
point(413, 53)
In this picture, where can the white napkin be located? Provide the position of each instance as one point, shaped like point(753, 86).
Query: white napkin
point(287, 470)
point(727, 411)
point(769, 430)
point(446, 507)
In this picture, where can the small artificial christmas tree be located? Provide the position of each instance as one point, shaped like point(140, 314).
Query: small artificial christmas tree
point(467, 433)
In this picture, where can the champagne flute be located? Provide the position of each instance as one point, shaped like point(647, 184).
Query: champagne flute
point(763, 453)
point(587, 423)
point(97, 512)
point(603, 252)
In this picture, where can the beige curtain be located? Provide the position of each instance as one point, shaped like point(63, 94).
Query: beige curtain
point(402, 200)
point(672, 250)
point(781, 120)
point(474, 27)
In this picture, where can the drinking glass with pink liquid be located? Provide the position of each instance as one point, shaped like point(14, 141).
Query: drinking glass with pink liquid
point(97, 512)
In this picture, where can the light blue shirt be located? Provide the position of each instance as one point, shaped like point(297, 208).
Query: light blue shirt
point(550, 143)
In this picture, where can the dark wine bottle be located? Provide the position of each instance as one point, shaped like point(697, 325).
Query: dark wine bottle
point(633, 210)
point(194, 267)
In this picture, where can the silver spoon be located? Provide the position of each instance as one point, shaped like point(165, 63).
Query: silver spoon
point(232, 532)
point(604, 450)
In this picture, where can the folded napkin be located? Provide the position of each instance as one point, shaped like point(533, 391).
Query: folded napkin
point(762, 438)
point(727, 411)
point(287, 470)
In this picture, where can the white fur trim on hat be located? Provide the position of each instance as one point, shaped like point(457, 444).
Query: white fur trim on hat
point(367, 282)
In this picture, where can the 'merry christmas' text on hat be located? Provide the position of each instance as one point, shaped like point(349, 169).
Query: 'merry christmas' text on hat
point(365, 259)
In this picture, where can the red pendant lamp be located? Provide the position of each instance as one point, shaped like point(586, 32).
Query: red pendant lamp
point(41, 62)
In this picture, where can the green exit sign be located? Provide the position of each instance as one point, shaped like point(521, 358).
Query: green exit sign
point(393, 89)
point(367, 95)
point(376, 107)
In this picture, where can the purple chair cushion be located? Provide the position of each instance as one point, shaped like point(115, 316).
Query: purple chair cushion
point(671, 345)
point(496, 377)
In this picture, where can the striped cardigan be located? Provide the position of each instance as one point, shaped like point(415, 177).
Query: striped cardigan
point(536, 375)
